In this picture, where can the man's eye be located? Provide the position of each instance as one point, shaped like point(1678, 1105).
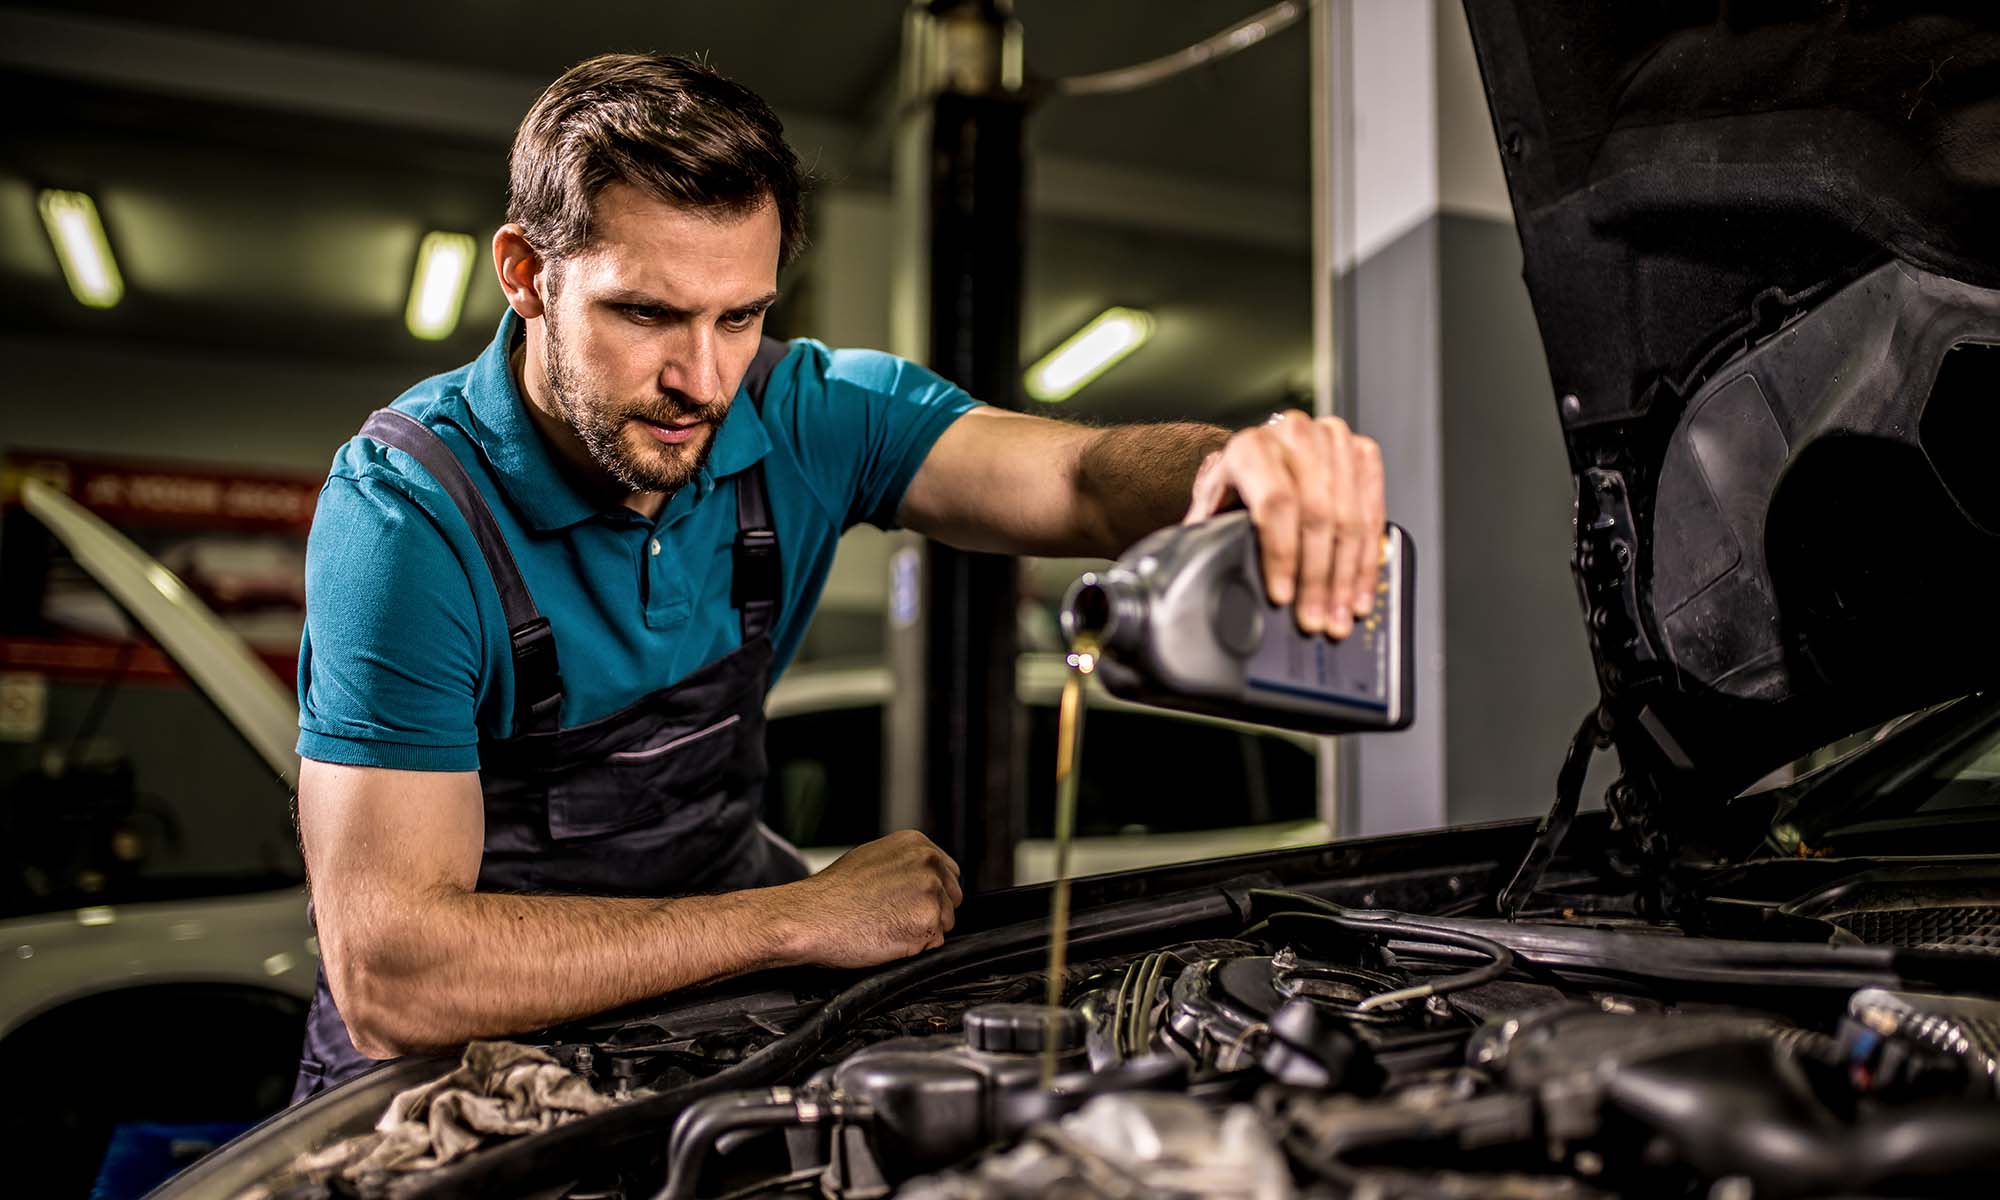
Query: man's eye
point(643, 314)
point(739, 320)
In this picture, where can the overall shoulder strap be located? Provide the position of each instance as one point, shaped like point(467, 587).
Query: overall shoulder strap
point(537, 676)
point(757, 577)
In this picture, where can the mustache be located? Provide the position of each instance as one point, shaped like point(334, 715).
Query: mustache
point(679, 411)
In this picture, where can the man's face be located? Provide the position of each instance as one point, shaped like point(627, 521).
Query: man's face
point(648, 332)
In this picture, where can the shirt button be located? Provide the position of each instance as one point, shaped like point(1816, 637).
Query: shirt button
point(656, 547)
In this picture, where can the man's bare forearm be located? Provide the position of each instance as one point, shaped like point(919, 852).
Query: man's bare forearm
point(1133, 479)
point(458, 965)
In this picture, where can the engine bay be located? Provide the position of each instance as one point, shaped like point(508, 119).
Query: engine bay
point(1255, 1040)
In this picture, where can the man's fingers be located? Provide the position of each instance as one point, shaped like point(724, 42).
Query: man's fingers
point(1208, 492)
point(1303, 446)
point(1314, 491)
point(1337, 443)
point(1258, 472)
point(1374, 520)
point(953, 890)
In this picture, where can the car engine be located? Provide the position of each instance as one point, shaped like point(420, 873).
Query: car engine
point(1351, 1021)
point(1327, 1050)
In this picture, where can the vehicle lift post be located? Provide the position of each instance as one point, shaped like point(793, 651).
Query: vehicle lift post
point(954, 743)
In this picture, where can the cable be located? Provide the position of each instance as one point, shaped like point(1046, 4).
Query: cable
point(1142, 1020)
point(1238, 37)
point(1118, 1006)
point(1133, 1043)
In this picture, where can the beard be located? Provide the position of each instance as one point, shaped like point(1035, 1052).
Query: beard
point(631, 456)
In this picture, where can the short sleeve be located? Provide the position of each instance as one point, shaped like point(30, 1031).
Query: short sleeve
point(862, 422)
point(389, 667)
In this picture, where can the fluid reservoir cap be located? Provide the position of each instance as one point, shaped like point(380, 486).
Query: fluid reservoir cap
point(1022, 1028)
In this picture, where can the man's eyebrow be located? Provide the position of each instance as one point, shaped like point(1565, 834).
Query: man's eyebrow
point(627, 296)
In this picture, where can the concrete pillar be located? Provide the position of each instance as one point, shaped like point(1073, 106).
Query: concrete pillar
point(1378, 315)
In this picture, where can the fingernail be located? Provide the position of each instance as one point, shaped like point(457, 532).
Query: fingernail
point(1342, 623)
point(1312, 620)
point(1364, 605)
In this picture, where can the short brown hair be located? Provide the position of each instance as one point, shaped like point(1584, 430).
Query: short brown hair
point(667, 125)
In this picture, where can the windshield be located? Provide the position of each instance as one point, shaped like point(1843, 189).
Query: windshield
point(119, 781)
point(1927, 783)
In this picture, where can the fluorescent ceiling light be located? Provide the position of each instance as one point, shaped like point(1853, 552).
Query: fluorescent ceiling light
point(437, 293)
point(1088, 353)
point(82, 248)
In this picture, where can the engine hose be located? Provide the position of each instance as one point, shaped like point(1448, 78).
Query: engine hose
point(1728, 1112)
point(1384, 926)
point(706, 1121)
point(567, 1150)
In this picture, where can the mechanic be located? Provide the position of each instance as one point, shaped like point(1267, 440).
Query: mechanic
point(547, 592)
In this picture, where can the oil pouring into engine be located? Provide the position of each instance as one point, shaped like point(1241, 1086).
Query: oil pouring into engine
point(1182, 621)
point(1069, 754)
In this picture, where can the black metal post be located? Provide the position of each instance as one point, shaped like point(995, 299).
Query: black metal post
point(973, 744)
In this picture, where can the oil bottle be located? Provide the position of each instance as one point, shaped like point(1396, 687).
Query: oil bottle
point(1182, 621)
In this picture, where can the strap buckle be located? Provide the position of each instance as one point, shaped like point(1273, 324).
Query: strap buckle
point(756, 577)
point(537, 676)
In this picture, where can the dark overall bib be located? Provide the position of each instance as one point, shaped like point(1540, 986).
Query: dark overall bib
point(658, 799)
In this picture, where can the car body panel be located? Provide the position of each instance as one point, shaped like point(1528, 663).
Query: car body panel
point(1035, 858)
point(261, 941)
point(1762, 243)
point(221, 665)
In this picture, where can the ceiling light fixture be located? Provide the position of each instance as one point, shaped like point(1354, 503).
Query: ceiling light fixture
point(1088, 353)
point(81, 247)
point(437, 291)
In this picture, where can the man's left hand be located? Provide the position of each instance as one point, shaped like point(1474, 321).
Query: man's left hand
point(1314, 491)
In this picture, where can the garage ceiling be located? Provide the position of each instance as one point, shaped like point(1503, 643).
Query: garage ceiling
point(266, 170)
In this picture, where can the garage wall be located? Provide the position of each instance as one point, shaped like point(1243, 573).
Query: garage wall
point(1519, 673)
point(1519, 668)
point(1441, 357)
point(156, 402)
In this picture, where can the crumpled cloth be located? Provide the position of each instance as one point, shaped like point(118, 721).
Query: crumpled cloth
point(498, 1090)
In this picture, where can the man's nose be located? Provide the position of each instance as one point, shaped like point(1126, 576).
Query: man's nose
point(691, 366)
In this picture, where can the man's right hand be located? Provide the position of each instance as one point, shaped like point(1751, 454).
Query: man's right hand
point(884, 900)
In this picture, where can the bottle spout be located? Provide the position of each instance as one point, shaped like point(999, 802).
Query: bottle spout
point(1099, 607)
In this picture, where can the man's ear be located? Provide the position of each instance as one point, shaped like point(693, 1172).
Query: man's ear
point(520, 271)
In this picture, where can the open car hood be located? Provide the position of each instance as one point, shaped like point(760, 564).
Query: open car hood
point(1762, 241)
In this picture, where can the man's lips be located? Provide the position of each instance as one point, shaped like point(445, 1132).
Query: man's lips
point(672, 435)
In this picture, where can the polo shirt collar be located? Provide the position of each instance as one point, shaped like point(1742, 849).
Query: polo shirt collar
point(526, 466)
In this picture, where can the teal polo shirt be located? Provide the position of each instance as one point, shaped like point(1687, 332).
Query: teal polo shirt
point(405, 661)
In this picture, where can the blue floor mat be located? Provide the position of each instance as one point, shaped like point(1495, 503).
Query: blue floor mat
point(143, 1155)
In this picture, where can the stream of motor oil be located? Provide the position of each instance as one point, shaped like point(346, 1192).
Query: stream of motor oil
point(1069, 752)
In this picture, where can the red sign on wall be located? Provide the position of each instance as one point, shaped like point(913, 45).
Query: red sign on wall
point(236, 538)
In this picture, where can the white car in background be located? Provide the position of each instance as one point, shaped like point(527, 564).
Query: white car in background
point(155, 956)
